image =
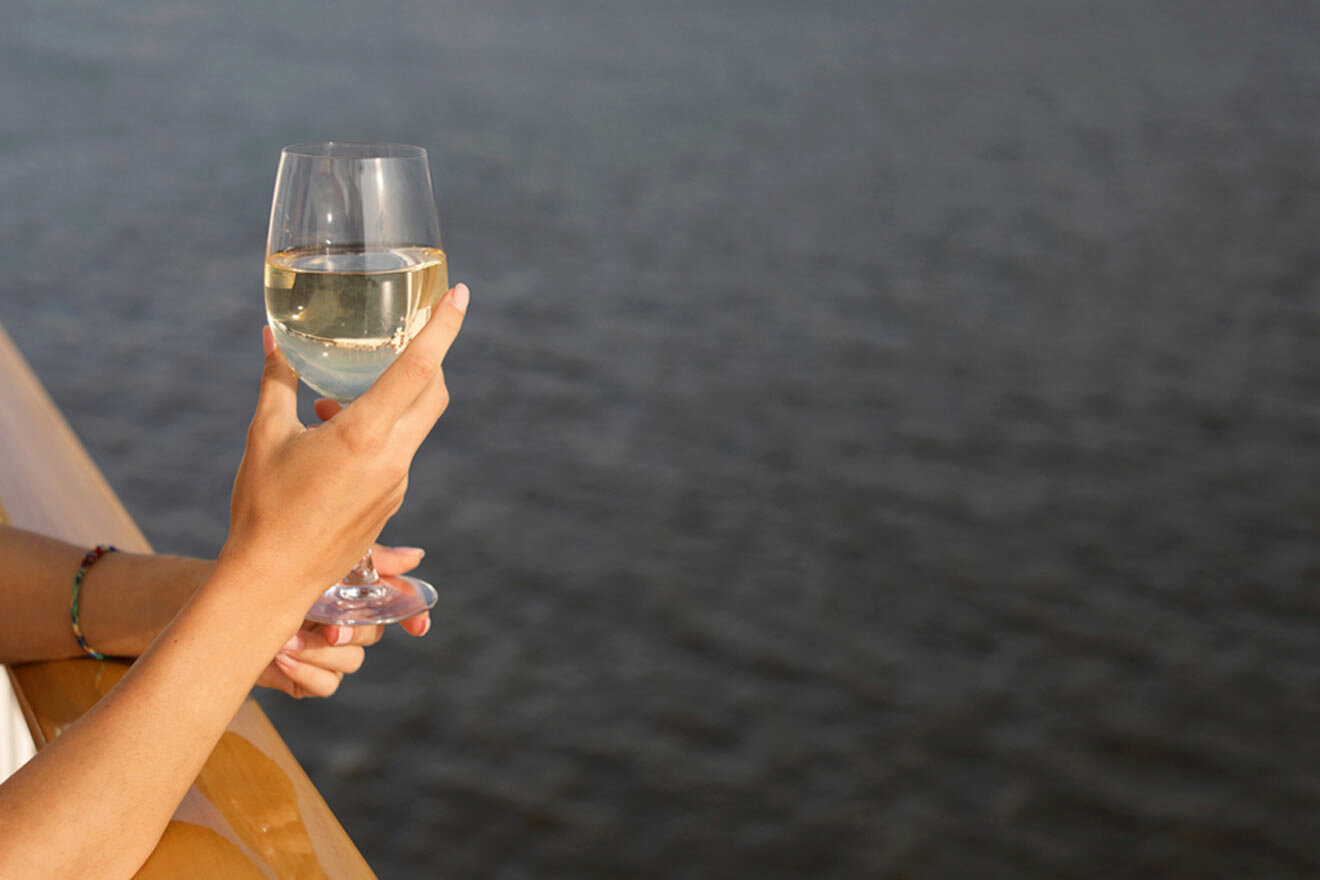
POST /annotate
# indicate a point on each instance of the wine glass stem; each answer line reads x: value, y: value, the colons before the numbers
x: 362, y: 582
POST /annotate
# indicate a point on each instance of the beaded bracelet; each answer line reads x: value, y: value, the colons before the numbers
x: 92, y: 555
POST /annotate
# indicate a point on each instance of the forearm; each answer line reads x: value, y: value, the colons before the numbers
x: 137, y: 751
x: 127, y: 598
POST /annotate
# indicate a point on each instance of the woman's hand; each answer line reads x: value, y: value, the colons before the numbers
x: 308, y: 502
x: 314, y: 662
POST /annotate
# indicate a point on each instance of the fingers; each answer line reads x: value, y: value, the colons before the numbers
x: 343, y: 636
x: 396, y: 560
x: 310, y: 666
x: 314, y: 662
x: 278, y: 402
x: 399, y: 386
x: 417, y: 626
x: 326, y: 408
x: 306, y: 679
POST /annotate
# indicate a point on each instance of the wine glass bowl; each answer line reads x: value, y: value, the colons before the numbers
x: 354, y: 266
x: 342, y: 316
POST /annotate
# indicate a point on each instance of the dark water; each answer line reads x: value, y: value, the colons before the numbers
x: 883, y: 440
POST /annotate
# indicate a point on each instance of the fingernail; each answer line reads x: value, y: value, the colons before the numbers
x: 341, y: 637
x: 461, y: 297
x: 411, y: 551
x: 285, y: 662
x: 295, y: 644
x: 267, y: 339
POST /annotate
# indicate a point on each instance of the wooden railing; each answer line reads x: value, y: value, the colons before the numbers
x: 252, y: 812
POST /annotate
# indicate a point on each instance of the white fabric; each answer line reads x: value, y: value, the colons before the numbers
x: 15, y: 741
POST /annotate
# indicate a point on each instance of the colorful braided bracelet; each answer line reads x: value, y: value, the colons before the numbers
x: 92, y: 555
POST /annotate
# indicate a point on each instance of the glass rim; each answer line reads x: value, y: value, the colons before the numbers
x: 354, y: 150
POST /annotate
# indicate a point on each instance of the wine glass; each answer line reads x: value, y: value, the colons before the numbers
x: 353, y: 268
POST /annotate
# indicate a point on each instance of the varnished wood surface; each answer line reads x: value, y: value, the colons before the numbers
x: 252, y: 811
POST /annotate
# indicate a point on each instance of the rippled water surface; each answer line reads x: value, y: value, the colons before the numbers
x: 883, y: 443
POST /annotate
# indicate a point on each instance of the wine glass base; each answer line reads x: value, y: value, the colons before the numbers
x: 407, y: 596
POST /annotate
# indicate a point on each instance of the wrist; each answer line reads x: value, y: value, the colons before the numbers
x: 128, y: 598
x: 260, y: 580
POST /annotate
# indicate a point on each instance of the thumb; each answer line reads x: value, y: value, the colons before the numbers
x: 396, y: 560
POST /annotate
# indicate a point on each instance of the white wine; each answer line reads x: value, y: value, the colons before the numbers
x: 342, y: 315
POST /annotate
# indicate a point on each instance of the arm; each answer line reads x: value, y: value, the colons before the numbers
x: 128, y: 598
x: 307, y: 502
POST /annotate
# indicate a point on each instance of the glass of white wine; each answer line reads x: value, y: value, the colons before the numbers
x: 354, y: 266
